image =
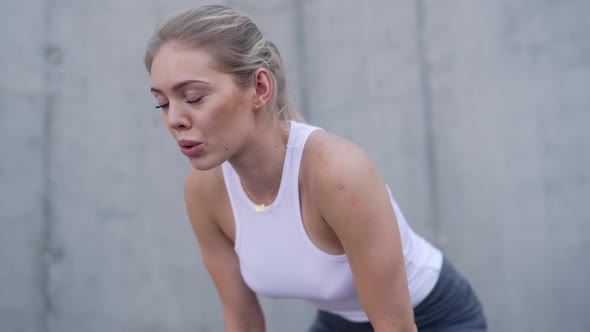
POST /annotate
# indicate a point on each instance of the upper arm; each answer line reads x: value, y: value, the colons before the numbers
x: 354, y: 202
x: 240, y: 305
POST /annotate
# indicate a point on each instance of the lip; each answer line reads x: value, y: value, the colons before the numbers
x: 190, y: 148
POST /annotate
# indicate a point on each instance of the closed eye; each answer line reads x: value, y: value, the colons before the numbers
x: 188, y: 101
x: 192, y: 101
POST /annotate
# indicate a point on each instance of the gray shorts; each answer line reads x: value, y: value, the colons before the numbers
x: 451, y: 306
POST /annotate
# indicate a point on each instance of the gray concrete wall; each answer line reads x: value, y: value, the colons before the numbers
x: 476, y: 112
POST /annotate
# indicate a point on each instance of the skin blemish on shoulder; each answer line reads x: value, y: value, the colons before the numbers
x: 226, y: 148
x: 341, y: 187
x: 354, y: 200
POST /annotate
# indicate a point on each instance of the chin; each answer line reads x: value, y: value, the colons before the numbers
x: 203, y: 165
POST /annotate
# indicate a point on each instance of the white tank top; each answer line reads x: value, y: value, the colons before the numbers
x: 278, y: 260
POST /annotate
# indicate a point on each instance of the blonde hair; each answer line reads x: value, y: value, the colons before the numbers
x: 236, y: 44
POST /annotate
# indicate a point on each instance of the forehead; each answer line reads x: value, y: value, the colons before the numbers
x: 174, y: 63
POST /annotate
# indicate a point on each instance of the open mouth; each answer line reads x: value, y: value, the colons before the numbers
x: 190, y: 148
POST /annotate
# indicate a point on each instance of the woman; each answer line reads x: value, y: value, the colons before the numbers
x: 281, y: 208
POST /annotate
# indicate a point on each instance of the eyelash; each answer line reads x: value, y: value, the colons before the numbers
x: 188, y: 101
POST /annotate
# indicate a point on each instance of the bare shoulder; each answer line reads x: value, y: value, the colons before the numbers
x: 203, y: 187
x: 352, y: 199
x: 203, y: 184
x: 204, y: 193
x: 342, y: 180
x: 328, y: 159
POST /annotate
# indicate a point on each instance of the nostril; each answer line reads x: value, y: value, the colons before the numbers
x: 181, y: 124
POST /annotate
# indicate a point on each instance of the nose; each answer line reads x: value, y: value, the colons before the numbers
x: 177, y: 117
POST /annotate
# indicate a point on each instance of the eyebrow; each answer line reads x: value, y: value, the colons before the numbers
x: 180, y: 85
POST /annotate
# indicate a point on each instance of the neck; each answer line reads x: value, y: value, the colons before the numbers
x: 260, y: 164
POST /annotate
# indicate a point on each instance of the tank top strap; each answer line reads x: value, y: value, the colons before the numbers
x: 298, y: 135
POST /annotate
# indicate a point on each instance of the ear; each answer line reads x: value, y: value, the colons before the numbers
x: 263, y: 86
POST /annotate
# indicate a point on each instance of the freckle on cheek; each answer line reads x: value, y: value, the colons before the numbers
x: 354, y: 200
x: 226, y: 148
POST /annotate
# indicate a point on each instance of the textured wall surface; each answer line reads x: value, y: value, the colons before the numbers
x: 476, y: 112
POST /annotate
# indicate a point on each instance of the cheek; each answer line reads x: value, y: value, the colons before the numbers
x: 165, y: 120
x: 217, y: 127
x: 227, y: 117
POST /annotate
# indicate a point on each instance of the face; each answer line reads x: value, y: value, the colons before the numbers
x: 208, y: 115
